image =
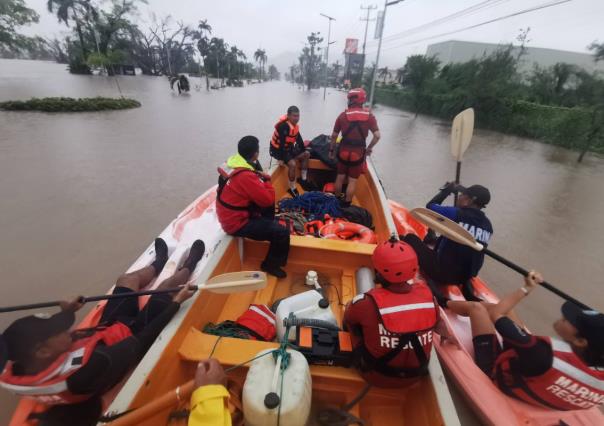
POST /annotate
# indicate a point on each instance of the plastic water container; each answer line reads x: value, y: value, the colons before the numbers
x: 364, y: 278
x: 263, y: 379
x: 309, y: 304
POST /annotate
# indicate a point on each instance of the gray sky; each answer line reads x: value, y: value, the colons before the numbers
x: 281, y: 27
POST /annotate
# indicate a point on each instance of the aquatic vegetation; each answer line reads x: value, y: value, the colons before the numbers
x: 70, y: 104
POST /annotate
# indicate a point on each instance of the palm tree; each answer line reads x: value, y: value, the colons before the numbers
x: 384, y: 73
x: 73, y: 9
x: 218, y: 49
x: 399, y: 75
x: 260, y: 57
x: 203, y: 45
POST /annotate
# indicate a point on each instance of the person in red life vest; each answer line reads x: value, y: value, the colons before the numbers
x: 355, y: 124
x: 559, y: 374
x: 287, y: 147
x: 245, y: 205
x: 71, y: 370
x: 391, y: 327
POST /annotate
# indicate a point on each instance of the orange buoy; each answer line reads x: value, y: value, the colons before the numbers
x: 348, y: 231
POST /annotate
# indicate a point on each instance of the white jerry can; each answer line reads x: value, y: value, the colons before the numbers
x: 309, y: 304
x: 262, y: 391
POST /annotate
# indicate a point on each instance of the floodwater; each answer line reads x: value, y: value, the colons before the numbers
x: 83, y: 194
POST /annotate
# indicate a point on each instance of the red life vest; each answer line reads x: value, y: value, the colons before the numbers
x: 569, y: 384
x: 225, y: 173
x: 50, y: 386
x: 409, y: 318
x: 353, y: 136
x: 260, y: 320
x: 292, y: 135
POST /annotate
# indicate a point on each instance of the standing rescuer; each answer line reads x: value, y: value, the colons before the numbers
x: 245, y: 205
x: 287, y: 147
x: 354, y: 123
x: 391, y: 327
x: 559, y: 374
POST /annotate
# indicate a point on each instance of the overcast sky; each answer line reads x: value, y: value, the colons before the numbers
x: 281, y: 27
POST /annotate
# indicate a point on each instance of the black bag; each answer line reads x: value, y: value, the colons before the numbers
x: 358, y: 215
x: 319, y: 149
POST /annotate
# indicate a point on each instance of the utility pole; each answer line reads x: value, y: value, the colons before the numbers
x: 327, y: 52
x: 367, y: 20
x: 377, y: 58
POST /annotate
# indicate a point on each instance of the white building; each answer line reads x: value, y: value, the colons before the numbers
x: 455, y: 51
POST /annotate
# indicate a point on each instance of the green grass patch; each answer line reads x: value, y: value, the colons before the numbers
x: 70, y: 104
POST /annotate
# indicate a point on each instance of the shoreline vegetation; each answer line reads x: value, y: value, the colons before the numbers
x: 560, y: 105
x: 61, y: 104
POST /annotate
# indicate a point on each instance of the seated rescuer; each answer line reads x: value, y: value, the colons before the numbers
x: 451, y: 262
x: 391, y: 327
x: 47, y: 362
x: 354, y: 123
x: 566, y: 374
x: 287, y: 147
x: 246, y: 205
x: 209, y: 401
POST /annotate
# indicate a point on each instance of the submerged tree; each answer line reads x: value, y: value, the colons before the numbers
x: 260, y: 58
x: 416, y: 73
x: 310, y: 59
x: 273, y: 73
x: 204, y: 30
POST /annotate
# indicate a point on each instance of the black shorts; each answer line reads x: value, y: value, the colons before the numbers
x: 486, y: 351
x: 288, y: 154
x: 126, y: 310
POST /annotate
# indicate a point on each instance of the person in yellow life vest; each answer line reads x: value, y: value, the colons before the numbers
x: 564, y: 373
x: 287, y: 147
x: 210, y: 399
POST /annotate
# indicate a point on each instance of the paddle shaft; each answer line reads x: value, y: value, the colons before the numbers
x: 457, y: 177
x: 524, y: 272
x: 91, y: 299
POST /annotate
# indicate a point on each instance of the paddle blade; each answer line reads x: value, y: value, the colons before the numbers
x: 235, y: 282
x: 446, y: 227
x: 461, y: 133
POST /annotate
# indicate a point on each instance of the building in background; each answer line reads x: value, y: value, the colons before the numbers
x: 353, y: 62
x: 455, y: 51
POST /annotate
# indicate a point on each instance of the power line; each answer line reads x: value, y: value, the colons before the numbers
x: 488, y: 4
x: 521, y: 12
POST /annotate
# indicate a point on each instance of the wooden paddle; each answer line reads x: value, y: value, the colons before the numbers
x: 461, y: 136
x: 232, y: 282
x: 457, y: 233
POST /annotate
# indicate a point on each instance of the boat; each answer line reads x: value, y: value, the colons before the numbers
x: 489, y: 404
x: 173, y: 357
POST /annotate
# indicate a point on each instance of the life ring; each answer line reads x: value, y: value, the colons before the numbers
x: 348, y: 231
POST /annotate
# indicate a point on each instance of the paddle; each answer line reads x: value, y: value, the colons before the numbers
x: 461, y: 136
x: 232, y: 282
x: 457, y: 233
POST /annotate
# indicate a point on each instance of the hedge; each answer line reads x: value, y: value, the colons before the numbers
x: 566, y: 127
x: 70, y: 104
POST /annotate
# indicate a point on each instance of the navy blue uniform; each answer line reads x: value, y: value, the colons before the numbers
x: 451, y: 262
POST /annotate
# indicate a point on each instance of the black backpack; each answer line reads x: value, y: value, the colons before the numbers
x: 358, y: 215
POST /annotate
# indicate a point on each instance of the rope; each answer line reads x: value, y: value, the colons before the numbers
x: 314, y: 203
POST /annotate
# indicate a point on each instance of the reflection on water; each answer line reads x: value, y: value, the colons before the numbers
x: 83, y: 194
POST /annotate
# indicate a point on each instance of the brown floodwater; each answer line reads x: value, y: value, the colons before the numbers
x: 83, y: 194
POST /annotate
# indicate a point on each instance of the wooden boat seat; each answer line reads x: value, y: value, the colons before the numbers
x: 231, y: 351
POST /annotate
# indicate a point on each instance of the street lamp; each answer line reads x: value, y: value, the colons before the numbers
x: 327, y: 52
x: 377, y: 58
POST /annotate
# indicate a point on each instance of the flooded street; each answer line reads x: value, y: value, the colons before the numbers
x: 83, y: 194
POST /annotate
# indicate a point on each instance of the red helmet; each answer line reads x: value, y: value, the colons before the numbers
x: 357, y: 96
x: 395, y: 261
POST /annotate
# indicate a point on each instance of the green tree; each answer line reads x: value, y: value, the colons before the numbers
x: 417, y: 72
x: 14, y: 14
x: 260, y: 58
x: 273, y: 73
x: 384, y: 73
x: 76, y: 11
x: 204, y: 30
x: 598, y: 50
x: 310, y: 59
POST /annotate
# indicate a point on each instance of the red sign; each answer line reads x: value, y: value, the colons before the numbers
x: 352, y: 45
